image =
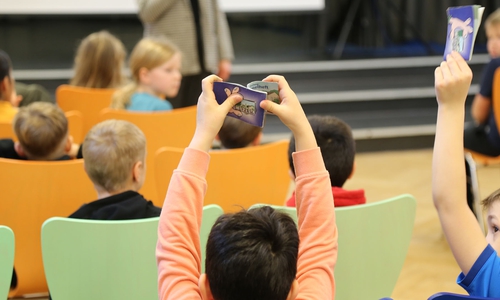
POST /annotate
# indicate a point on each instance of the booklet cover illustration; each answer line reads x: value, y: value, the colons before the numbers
x: 463, y: 25
x: 248, y: 110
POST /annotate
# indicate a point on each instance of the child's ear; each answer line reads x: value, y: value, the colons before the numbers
x: 217, y: 138
x: 144, y: 75
x: 294, y: 290
x: 19, y: 149
x: 68, y: 144
x: 5, y: 89
x: 137, y: 171
x: 353, y: 169
x: 206, y: 293
x: 257, y: 139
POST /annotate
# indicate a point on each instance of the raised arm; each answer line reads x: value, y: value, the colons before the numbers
x: 151, y: 10
x: 452, y: 82
x: 317, y: 228
x: 178, y: 249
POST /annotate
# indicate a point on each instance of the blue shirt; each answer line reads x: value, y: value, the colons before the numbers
x: 486, y: 90
x: 483, y: 279
x: 148, y: 102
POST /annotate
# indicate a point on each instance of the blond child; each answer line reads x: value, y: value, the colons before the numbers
x: 252, y: 254
x: 42, y: 132
x: 155, y: 65
x: 476, y: 256
x: 114, y: 152
x: 99, y: 62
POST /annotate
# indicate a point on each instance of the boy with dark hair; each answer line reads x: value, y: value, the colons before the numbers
x: 238, y: 134
x: 476, y: 256
x: 334, y: 138
x: 252, y: 254
x: 8, y: 95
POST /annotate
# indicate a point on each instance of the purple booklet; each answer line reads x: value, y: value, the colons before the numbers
x: 248, y: 110
x: 463, y: 25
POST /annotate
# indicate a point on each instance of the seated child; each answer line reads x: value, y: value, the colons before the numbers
x: 238, y: 134
x: 334, y: 138
x: 476, y: 256
x: 114, y: 152
x: 252, y: 254
x: 99, y: 62
x: 482, y: 135
x: 155, y: 65
x: 42, y: 132
x: 8, y: 97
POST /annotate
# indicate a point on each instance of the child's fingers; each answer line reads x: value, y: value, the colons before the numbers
x: 231, y: 101
x: 461, y: 63
x: 270, y: 106
x: 282, y: 83
x: 445, y: 69
x: 453, y: 66
x: 207, y: 84
x: 438, y: 75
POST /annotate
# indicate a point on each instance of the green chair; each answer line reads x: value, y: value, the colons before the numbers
x: 210, y: 214
x: 88, y: 259
x: 6, y: 260
x: 373, y: 243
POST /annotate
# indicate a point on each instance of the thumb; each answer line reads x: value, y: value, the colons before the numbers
x: 231, y: 101
x: 270, y: 106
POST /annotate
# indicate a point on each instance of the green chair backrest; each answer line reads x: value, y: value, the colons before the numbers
x: 373, y: 243
x: 89, y: 259
x: 210, y: 214
x: 6, y: 260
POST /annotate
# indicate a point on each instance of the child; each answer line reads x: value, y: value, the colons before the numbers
x: 99, y: 62
x: 338, y: 148
x: 155, y: 65
x: 238, y: 134
x: 42, y: 131
x: 475, y: 255
x: 252, y: 254
x: 483, y: 136
x: 8, y: 97
x: 114, y: 152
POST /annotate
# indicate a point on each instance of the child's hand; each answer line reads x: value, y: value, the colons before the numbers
x: 210, y: 114
x: 452, y: 80
x: 290, y: 113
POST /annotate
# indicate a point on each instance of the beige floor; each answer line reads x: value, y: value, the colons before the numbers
x: 429, y: 266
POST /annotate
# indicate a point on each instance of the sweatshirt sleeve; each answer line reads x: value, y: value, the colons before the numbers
x: 317, y: 227
x: 178, y: 249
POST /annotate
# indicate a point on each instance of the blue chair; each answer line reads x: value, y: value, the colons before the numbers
x: 451, y: 296
x: 6, y: 260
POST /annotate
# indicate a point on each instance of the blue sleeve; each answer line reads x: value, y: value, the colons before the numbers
x: 162, y: 105
x: 482, y: 279
x: 487, y: 77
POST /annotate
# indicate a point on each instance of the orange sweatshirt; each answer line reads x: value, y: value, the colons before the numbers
x: 178, y: 249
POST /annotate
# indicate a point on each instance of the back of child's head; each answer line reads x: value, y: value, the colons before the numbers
x: 252, y: 255
x: 42, y: 130
x: 110, y: 150
x: 334, y: 138
x: 493, y: 18
x: 5, y: 70
x: 99, y: 61
x: 237, y: 134
x: 149, y: 53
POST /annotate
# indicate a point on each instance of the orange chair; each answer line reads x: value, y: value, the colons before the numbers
x: 486, y: 160
x: 6, y: 130
x: 238, y: 177
x: 173, y: 128
x: 33, y: 192
x: 85, y: 100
